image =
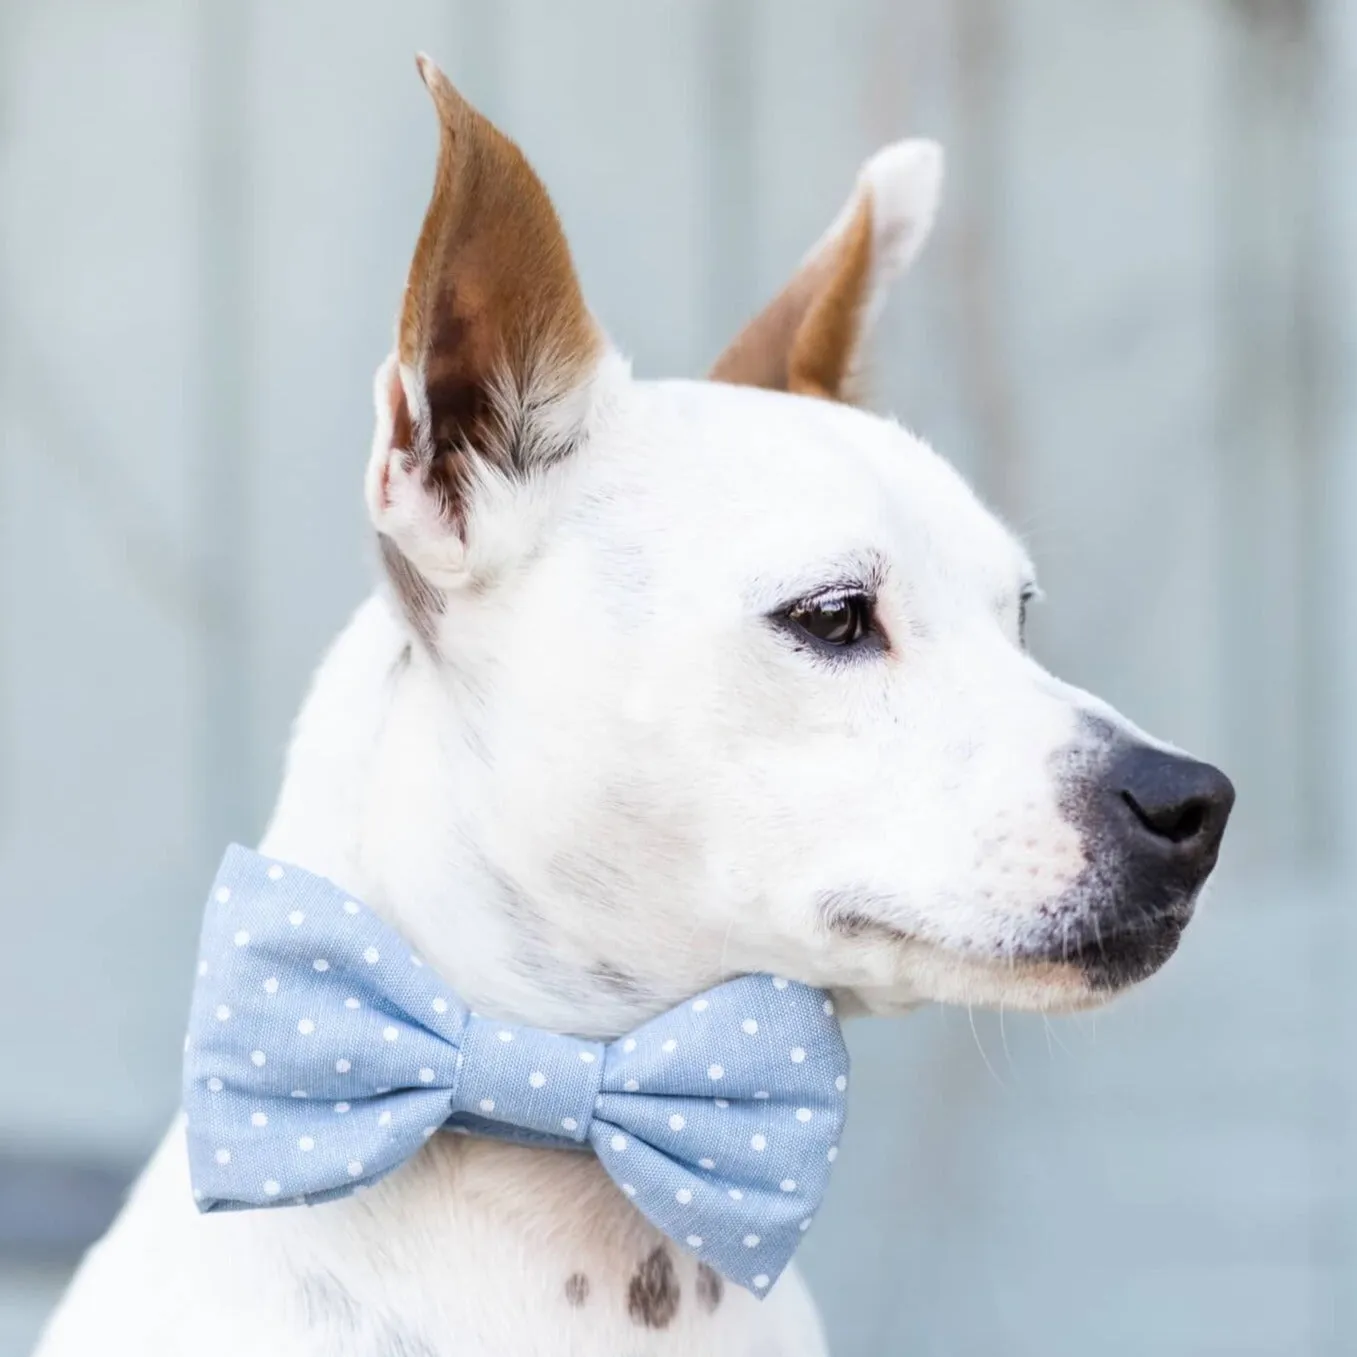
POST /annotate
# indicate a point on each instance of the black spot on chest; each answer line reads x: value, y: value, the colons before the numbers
x: 577, y: 1289
x: 710, y: 1288
x: 653, y: 1292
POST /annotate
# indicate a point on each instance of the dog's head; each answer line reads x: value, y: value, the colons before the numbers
x: 710, y: 677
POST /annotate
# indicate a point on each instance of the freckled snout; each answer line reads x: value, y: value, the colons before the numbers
x: 1156, y: 819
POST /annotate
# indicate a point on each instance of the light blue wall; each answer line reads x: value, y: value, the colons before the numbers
x: 1135, y: 328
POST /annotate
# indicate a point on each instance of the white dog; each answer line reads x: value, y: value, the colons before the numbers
x: 668, y: 682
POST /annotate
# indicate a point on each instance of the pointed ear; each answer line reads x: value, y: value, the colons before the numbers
x: 809, y: 339
x: 494, y: 347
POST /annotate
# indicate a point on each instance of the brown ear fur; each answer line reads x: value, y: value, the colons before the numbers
x: 808, y: 338
x: 492, y: 313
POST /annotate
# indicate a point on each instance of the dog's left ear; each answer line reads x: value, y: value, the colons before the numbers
x: 809, y: 338
x: 493, y: 374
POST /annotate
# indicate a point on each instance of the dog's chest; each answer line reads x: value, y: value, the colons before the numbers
x: 508, y: 1251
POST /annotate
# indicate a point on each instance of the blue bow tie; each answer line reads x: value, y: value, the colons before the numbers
x: 322, y: 1053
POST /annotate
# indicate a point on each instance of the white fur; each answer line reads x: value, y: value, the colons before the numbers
x: 609, y: 782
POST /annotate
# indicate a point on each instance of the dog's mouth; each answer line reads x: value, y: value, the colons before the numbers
x: 1112, y: 951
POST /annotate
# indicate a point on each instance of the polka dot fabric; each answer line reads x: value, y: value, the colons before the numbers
x: 322, y: 1053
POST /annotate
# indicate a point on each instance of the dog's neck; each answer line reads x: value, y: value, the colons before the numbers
x: 362, y: 773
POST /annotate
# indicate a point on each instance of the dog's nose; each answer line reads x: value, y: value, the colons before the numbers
x: 1176, y: 808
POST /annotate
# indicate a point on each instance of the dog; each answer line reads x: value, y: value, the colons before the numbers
x: 664, y: 683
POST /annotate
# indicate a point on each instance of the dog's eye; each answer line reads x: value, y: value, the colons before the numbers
x: 839, y: 620
x: 1024, y: 599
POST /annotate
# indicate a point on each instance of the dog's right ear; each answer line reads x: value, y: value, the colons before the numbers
x: 495, y: 351
x: 810, y: 338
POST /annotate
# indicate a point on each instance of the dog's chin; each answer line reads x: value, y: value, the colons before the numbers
x: 1083, y: 969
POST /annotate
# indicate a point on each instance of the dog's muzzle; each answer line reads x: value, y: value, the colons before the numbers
x: 1153, y: 823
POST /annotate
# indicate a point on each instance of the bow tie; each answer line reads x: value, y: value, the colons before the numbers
x: 322, y: 1053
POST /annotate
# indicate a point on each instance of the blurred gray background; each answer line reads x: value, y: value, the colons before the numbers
x: 1136, y: 329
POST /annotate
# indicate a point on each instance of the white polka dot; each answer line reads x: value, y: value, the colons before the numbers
x: 716, y: 1071
x: 779, y: 982
x: 352, y: 1002
x: 202, y: 968
x: 694, y: 1241
x: 721, y: 1103
x: 628, y: 1189
x: 758, y: 1141
x: 223, y: 894
x: 320, y: 964
x: 487, y: 1104
x: 537, y: 1079
x: 296, y: 918
x: 299, y: 1093
x: 223, y: 1012
x: 788, y: 1184
x: 275, y: 873
x: 415, y: 960
x: 271, y: 985
x: 214, y: 1085
x: 570, y: 1124
x: 587, y: 1057
x: 355, y: 1167
x: 803, y: 1114
x: 629, y: 1045
x: 761, y: 1282
x: 241, y: 939
x: 389, y: 1034
x: 631, y: 1086
x: 829, y: 1008
x: 669, y: 1046
x: 426, y: 1075
x: 707, y: 1163
x: 676, y: 1122
x: 798, y: 1054
x: 382, y: 1088
x: 428, y: 1131
x: 439, y: 1005
x: 505, y: 1036
x: 700, y: 1005
x: 751, y: 1241
x: 350, y: 906
x: 188, y: 1041
x: 258, y: 1119
x: 761, y: 1094
x: 341, y: 1108
x: 372, y: 956
x: 735, y: 1194
x: 306, y: 1026
x: 683, y: 1196
x: 271, y: 1187
x: 619, y: 1143
x: 306, y: 1144
x: 384, y: 1119
x: 833, y: 1153
x: 258, y: 1059
x: 223, y: 1156
x: 749, y: 1026
x: 197, y: 1194
x: 841, y: 1083
x: 343, y: 1066
x: 805, y: 1225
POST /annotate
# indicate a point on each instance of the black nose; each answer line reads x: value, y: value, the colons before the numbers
x: 1176, y: 808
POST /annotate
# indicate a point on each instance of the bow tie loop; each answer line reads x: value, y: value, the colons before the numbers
x: 529, y: 1079
x: 322, y: 1053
